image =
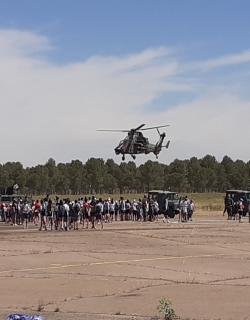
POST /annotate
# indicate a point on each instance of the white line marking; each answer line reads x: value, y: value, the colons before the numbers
x: 53, y: 267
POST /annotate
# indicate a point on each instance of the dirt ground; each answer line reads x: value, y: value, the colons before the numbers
x: 121, y: 272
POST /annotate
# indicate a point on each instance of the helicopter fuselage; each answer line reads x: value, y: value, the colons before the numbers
x: 135, y: 143
x: 138, y: 144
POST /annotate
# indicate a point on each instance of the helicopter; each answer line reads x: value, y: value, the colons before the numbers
x: 135, y: 143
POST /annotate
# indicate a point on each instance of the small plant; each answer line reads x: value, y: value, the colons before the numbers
x: 40, y: 306
x: 166, y: 309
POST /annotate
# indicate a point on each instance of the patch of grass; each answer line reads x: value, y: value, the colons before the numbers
x: 209, y: 201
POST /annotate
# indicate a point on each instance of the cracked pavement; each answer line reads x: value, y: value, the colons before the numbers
x: 203, y: 267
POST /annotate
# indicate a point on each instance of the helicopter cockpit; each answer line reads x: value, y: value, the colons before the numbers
x: 141, y: 139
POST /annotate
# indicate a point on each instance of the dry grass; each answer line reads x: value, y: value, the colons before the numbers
x: 213, y: 201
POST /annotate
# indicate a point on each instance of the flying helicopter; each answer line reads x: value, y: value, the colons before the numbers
x: 135, y: 143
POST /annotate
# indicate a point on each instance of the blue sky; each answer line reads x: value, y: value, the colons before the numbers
x: 80, y: 29
x: 109, y: 64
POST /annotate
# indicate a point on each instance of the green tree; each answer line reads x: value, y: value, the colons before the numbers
x: 96, y: 171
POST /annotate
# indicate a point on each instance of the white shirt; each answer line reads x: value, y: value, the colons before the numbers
x: 66, y: 206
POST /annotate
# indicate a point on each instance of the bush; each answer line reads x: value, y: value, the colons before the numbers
x: 166, y: 309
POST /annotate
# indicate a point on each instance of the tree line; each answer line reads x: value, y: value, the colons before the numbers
x: 99, y: 176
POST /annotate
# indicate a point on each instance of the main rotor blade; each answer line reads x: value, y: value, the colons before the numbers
x: 157, y: 127
x: 114, y: 130
x: 138, y: 128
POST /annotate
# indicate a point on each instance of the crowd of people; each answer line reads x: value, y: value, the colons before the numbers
x: 87, y: 212
x: 185, y: 209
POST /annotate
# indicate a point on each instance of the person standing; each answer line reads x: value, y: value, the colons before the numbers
x: 37, y: 210
x: 66, y: 215
x: 249, y: 212
x: 116, y: 209
x: 56, y: 213
x: 76, y: 214
x: 229, y: 203
x: 185, y: 204
x: 151, y: 209
x: 122, y: 208
x: 127, y: 210
x: 99, y: 212
x: 156, y: 209
x: 144, y: 208
x: 43, y: 216
x: 92, y: 206
x: 135, y: 208
x: 61, y: 213
x: 190, y: 210
x: 179, y: 209
x: 106, y: 209
x: 50, y: 214
x: 86, y: 212
x: 26, y: 212
x: 112, y: 210
x: 240, y: 209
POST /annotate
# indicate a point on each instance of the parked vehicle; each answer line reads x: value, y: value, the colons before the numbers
x: 236, y: 195
x: 162, y: 197
x: 9, y: 198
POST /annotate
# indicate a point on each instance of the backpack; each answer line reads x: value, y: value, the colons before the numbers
x: 24, y: 317
x: 106, y: 207
x: 61, y: 210
x: 98, y: 208
x: 127, y: 205
x: 76, y: 207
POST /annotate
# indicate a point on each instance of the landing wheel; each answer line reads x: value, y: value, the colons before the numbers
x: 123, y: 157
x: 133, y: 156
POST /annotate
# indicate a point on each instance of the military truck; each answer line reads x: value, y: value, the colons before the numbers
x: 9, y: 198
x: 236, y: 195
x: 162, y: 197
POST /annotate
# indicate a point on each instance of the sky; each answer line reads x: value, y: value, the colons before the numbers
x: 68, y: 68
